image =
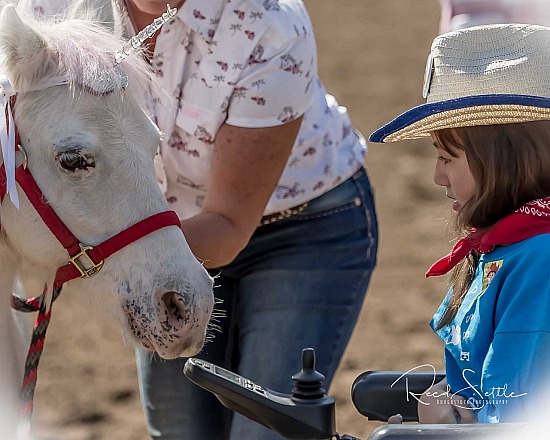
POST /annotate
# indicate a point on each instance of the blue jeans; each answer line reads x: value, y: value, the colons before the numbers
x: 299, y: 283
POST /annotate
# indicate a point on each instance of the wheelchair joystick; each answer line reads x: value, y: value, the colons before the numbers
x: 308, y: 382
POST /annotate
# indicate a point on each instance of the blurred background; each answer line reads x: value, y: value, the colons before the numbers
x: 372, y: 55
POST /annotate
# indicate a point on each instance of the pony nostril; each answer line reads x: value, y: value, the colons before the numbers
x: 175, y: 308
x: 178, y: 325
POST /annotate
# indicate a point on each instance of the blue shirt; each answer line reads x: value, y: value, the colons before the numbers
x: 497, y: 348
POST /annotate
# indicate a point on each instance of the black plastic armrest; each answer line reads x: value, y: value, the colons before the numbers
x: 381, y: 394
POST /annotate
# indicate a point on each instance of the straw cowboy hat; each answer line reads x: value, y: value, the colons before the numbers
x: 483, y: 75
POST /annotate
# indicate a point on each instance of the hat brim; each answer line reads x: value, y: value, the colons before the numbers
x: 468, y: 111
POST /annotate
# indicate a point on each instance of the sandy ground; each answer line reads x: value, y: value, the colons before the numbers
x: 373, y: 61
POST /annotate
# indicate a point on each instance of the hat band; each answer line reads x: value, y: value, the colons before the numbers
x: 470, y: 116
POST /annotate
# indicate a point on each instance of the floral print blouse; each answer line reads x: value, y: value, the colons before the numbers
x: 248, y: 63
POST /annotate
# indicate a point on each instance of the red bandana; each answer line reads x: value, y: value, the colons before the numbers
x: 531, y: 219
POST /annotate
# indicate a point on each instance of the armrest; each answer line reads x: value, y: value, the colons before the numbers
x: 381, y: 394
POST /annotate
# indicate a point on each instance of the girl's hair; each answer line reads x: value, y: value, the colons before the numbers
x: 510, y: 164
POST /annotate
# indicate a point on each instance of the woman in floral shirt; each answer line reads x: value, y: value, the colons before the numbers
x: 266, y: 173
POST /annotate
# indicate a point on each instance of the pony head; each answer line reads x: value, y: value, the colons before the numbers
x: 90, y: 147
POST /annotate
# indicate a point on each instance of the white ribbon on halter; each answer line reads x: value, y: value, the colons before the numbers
x: 7, y: 127
x: 7, y: 137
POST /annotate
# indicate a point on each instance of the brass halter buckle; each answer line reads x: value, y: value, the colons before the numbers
x: 87, y: 267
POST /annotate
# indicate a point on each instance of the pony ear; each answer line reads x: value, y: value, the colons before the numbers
x: 26, y: 53
x: 104, y: 12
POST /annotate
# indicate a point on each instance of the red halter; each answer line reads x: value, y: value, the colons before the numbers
x: 84, y: 261
x: 80, y: 253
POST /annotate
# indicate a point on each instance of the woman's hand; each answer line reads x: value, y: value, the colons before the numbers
x: 438, y: 404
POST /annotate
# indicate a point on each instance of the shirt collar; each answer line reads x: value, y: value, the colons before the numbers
x: 202, y: 16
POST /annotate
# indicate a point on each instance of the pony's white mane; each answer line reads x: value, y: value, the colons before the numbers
x: 85, y: 50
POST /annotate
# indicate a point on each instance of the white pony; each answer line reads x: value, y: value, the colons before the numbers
x: 90, y: 148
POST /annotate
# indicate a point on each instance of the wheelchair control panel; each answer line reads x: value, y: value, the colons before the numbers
x: 305, y: 414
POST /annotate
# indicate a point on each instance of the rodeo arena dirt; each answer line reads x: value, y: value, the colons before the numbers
x: 372, y: 55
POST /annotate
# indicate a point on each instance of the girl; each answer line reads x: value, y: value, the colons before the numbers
x: 488, y: 115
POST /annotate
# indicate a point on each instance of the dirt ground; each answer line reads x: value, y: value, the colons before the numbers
x: 372, y: 56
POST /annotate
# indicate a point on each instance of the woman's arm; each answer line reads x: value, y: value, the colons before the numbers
x: 246, y: 166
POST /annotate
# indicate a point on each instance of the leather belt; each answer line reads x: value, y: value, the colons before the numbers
x: 275, y: 217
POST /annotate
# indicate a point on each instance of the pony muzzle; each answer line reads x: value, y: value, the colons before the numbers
x: 174, y: 326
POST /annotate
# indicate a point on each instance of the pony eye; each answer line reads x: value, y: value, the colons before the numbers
x: 75, y: 160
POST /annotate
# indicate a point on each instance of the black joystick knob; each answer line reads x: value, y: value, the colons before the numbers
x: 308, y: 382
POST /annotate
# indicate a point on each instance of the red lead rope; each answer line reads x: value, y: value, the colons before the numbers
x: 84, y: 261
x: 37, y: 304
